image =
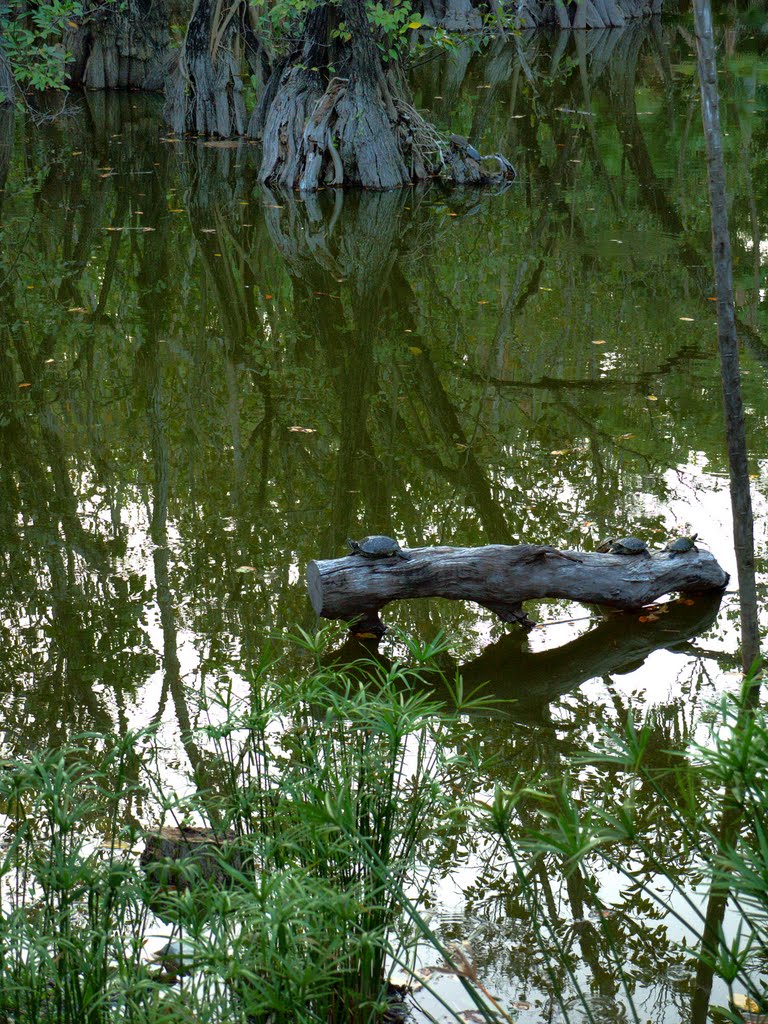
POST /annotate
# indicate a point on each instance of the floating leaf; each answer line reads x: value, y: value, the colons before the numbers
x: 689, y: 319
x: 560, y: 451
x: 26, y: 384
x: 520, y: 1005
x: 745, y: 1003
x: 414, y: 350
x: 302, y: 430
x: 246, y: 568
x: 114, y: 229
x: 77, y: 309
x: 652, y: 398
x: 598, y: 341
x: 366, y: 636
x: 222, y: 144
x: 208, y: 231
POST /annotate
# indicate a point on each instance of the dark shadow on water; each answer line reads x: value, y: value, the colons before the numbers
x: 522, y: 684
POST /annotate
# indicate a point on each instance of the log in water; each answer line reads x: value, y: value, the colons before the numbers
x: 501, y: 577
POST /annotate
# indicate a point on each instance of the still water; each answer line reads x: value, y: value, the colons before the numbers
x: 204, y: 385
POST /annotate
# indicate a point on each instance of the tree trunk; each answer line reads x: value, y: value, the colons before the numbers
x: 121, y: 48
x: 741, y: 501
x: 352, y: 125
x: 205, y: 92
x: 501, y: 578
x: 7, y: 84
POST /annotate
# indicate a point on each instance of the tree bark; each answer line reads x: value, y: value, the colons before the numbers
x: 336, y: 113
x: 204, y: 93
x: 741, y: 502
x: 121, y: 48
x: 502, y: 577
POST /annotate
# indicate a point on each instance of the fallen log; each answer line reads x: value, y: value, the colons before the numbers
x: 501, y: 577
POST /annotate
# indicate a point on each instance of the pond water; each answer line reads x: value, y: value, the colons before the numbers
x: 204, y: 385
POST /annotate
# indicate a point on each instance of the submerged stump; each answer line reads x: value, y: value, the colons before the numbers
x: 501, y: 577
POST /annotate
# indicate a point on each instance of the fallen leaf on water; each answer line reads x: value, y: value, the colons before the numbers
x: 652, y: 398
x: 453, y: 214
x: 520, y: 1005
x: 246, y: 568
x: 366, y: 636
x: 415, y: 351
x: 560, y: 451
x: 302, y: 430
x: 690, y: 319
x: 618, y: 241
x: 483, y: 302
x: 268, y: 295
x: 49, y: 361
x: 223, y: 144
x: 147, y: 229
x: 745, y: 1003
x: 598, y: 341
x: 625, y: 437
x: 77, y: 152
x: 273, y: 206
x: 178, y: 209
x: 26, y: 384
x: 710, y: 298
x: 77, y: 309
x: 113, y: 229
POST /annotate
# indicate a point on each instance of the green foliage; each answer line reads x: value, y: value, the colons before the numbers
x: 321, y: 790
x: 33, y: 42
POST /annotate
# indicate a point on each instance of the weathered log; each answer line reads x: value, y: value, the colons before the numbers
x: 501, y: 577
x: 175, y: 858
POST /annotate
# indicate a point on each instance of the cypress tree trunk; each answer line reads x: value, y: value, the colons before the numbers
x: 205, y: 92
x: 121, y: 47
x: 741, y: 502
x: 335, y: 113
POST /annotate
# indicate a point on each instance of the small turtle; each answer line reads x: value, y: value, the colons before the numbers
x: 682, y: 545
x: 628, y: 546
x: 377, y: 546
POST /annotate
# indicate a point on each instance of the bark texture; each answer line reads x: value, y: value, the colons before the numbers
x: 7, y: 84
x: 583, y: 14
x: 335, y: 113
x: 121, y: 47
x: 502, y: 577
x: 728, y: 343
x: 205, y: 92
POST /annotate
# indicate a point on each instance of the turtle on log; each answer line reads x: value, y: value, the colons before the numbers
x: 377, y: 546
x: 682, y: 545
x: 624, y: 546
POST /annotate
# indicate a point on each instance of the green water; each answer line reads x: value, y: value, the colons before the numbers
x: 205, y: 385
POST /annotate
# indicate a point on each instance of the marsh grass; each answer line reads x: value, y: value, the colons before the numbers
x: 688, y: 833
x: 324, y: 789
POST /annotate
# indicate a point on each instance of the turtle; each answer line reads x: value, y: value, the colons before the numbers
x: 628, y: 546
x: 682, y: 545
x: 377, y: 546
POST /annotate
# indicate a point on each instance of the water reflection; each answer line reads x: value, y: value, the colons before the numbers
x: 205, y: 385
